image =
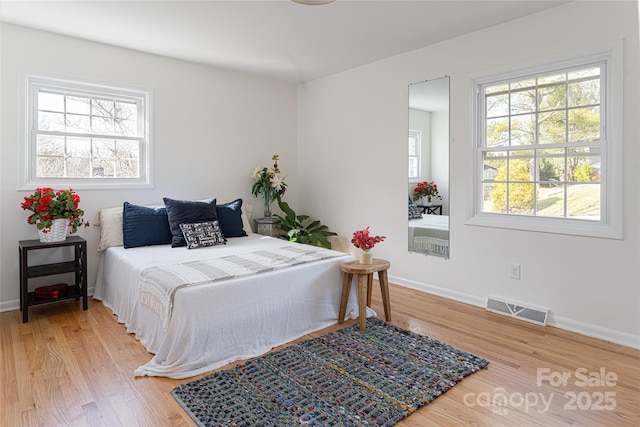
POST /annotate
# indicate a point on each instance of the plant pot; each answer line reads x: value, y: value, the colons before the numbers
x: 366, y: 257
x: 57, y: 233
x: 426, y: 200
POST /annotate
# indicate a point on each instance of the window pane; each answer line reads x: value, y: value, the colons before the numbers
x: 127, y: 168
x: 583, y: 201
x: 497, y: 132
x: 494, y: 199
x: 104, y: 148
x: 497, y: 88
x: 413, y: 167
x: 126, y: 110
x: 586, y: 72
x: 127, y: 149
x: 78, y: 124
x: 103, y: 108
x: 553, y: 78
x: 498, y: 105
x: 126, y: 127
x: 584, y: 168
x: 584, y: 124
x: 50, y: 102
x: 521, y: 199
x: 552, y: 97
x: 77, y: 167
x: 552, y: 127
x: 78, y: 105
x: 102, y: 125
x: 530, y: 83
x: 103, y: 168
x: 523, y: 101
x: 523, y: 129
x: 550, y: 171
x: 584, y: 93
x: 491, y: 167
x: 51, y: 121
x: 550, y: 201
x: 50, y: 146
x: 79, y: 147
x: 47, y: 167
x: 520, y: 170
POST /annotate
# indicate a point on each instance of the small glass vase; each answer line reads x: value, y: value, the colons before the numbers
x: 267, y: 207
x: 366, y: 257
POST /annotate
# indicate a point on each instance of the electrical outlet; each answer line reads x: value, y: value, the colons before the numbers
x: 514, y: 270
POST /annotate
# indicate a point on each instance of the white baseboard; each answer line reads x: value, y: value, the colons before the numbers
x: 15, y: 304
x: 617, y: 337
x: 560, y: 322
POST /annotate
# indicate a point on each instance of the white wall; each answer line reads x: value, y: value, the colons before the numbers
x: 440, y: 155
x: 212, y: 128
x: 350, y: 125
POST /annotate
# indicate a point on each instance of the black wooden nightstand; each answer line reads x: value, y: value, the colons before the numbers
x: 435, y: 209
x: 78, y: 266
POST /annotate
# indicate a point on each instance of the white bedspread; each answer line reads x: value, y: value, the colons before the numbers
x: 430, y: 234
x: 220, y: 322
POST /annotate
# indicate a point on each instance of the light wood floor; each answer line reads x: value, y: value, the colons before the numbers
x: 69, y: 367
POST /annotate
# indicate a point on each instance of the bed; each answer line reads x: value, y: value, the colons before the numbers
x: 429, y: 234
x: 213, y: 323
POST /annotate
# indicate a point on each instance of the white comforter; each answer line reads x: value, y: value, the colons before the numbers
x: 217, y: 323
x: 429, y: 234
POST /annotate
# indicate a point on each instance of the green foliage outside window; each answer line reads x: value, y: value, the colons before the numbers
x: 520, y: 194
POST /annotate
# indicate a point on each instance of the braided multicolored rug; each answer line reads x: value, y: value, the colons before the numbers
x: 345, y: 378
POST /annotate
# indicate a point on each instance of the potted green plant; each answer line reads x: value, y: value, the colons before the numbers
x: 301, y: 229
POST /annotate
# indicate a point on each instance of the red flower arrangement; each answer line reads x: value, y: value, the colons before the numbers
x: 362, y: 240
x: 48, y: 204
x: 426, y: 189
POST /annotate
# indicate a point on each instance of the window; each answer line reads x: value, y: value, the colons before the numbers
x: 86, y: 135
x: 414, y: 154
x: 544, y: 147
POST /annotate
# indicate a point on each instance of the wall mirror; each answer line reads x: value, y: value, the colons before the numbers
x: 428, y: 154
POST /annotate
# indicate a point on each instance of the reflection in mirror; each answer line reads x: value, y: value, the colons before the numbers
x: 429, y: 167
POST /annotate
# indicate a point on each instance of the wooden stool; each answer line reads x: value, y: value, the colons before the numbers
x: 365, y: 271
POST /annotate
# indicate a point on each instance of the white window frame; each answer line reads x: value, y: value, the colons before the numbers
x: 28, y: 99
x: 610, y: 223
x: 418, y: 136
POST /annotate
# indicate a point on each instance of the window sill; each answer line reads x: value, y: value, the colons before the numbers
x: 574, y: 227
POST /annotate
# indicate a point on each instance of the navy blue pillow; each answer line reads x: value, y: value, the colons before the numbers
x: 188, y: 212
x: 144, y: 226
x: 230, y: 219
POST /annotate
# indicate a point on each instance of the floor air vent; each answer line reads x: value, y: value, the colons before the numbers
x: 517, y: 310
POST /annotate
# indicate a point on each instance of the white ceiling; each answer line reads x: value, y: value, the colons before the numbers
x: 275, y: 38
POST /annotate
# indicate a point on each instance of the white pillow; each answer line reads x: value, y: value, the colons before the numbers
x: 247, y: 210
x: 110, y: 222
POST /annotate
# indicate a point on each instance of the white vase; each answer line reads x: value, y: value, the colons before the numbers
x: 366, y: 257
x: 57, y: 233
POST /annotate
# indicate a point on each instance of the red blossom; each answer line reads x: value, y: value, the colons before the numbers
x: 426, y: 189
x: 362, y: 239
x: 48, y: 204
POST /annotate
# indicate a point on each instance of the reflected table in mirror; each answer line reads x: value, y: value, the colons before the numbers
x: 434, y: 209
